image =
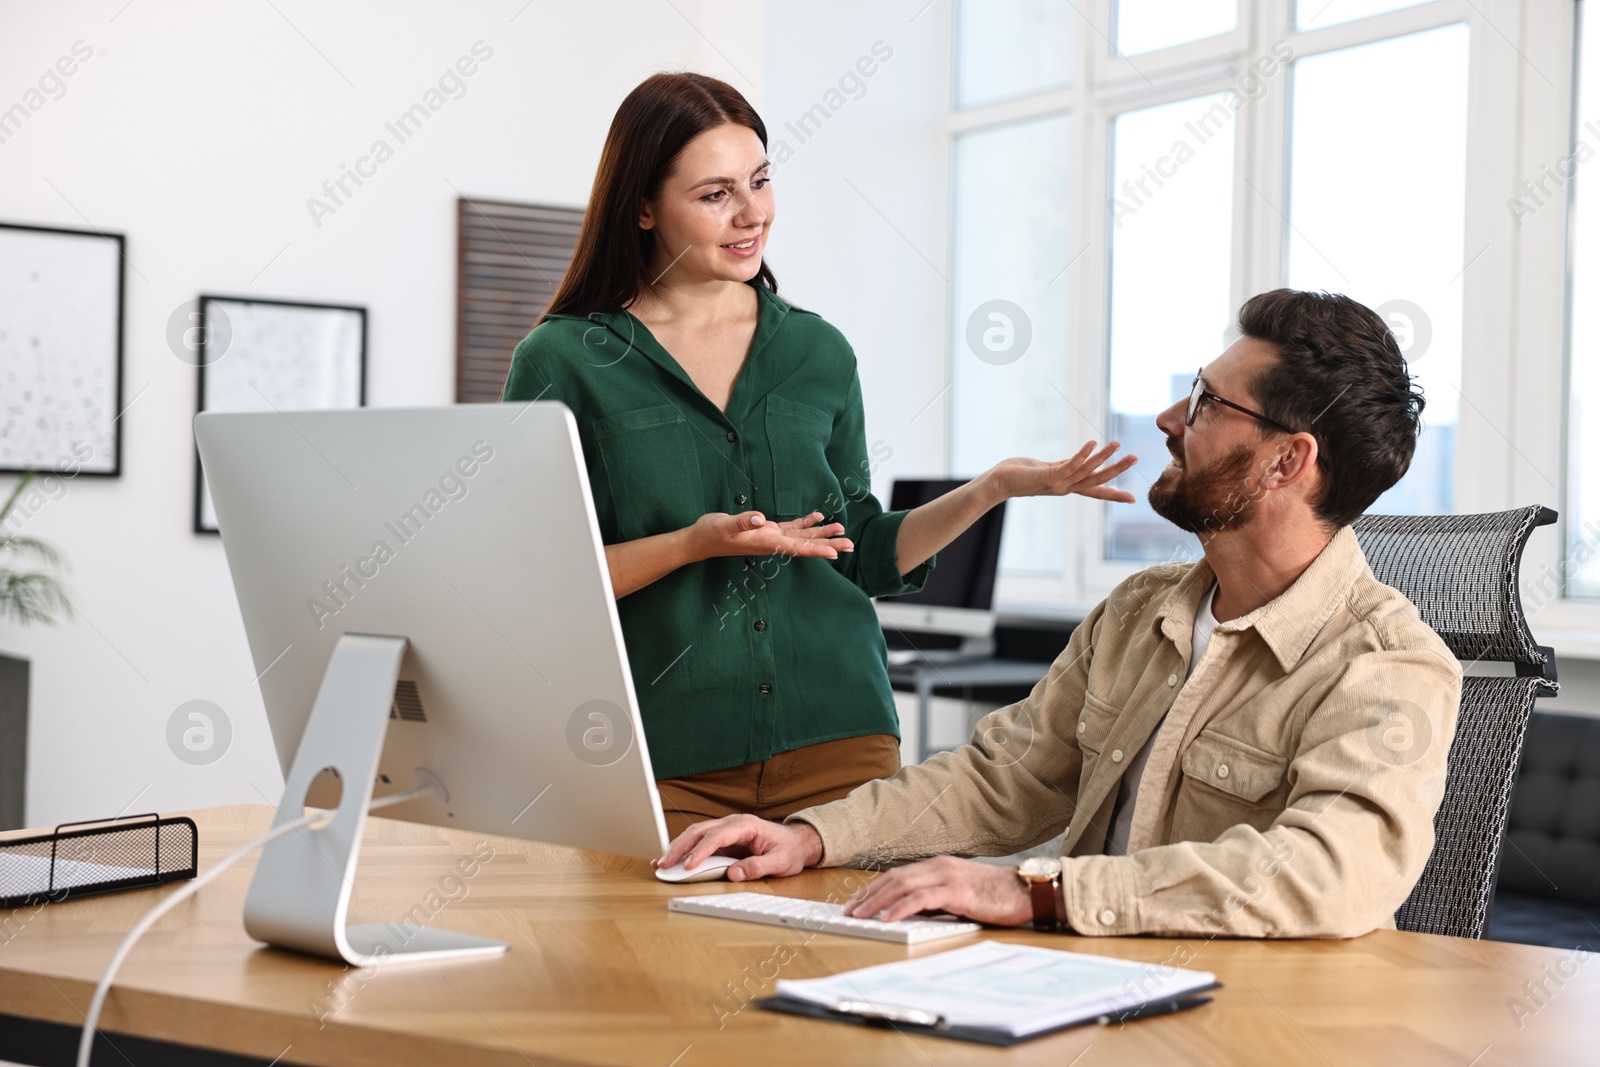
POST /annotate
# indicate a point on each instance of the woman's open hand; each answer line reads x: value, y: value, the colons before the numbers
x: 1084, y: 474
x: 750, y: 533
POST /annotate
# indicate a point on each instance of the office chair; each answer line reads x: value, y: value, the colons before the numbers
x: 1461, y: 573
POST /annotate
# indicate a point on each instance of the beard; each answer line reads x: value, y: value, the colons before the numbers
x: 1209, y: 500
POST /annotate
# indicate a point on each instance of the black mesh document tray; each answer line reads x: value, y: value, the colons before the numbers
x: 99, y: 856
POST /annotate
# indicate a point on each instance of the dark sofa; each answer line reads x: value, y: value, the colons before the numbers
x: 1548, y: 892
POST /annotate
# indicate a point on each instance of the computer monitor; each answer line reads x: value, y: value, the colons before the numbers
x: 956, y: 602
x: 426, y: 588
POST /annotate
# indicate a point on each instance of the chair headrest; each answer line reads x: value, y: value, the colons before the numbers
x: 1461, y: 573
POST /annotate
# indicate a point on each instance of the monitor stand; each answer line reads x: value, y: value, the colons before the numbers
x: 301, y: 889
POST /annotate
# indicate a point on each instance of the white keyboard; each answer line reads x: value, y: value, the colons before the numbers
x: 816, y: 916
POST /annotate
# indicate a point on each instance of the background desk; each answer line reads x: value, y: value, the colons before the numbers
x: 1002, y: 681
x: 1023, y: 652
x: 600, y: 973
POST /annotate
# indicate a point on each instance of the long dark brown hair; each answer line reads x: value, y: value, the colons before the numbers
x: 610, y: 266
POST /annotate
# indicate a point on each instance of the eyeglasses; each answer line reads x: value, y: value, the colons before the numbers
x: 1199, y: 392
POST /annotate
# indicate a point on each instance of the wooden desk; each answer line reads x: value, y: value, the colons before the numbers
x: 600, y: 973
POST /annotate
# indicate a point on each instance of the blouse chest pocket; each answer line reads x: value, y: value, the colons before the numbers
x: 802, y: 480
x: 652, y: 468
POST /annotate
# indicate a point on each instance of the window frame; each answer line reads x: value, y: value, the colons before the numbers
x: 1143, y: 68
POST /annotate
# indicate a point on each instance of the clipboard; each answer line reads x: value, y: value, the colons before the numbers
x: 906, y: 1020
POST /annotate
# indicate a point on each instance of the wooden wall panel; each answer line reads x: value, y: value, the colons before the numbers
x: 510, y: 258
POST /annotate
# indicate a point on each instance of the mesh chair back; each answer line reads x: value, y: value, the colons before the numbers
x: 1461, y: 573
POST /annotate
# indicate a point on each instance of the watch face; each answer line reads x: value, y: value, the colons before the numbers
x: 1039, y: 867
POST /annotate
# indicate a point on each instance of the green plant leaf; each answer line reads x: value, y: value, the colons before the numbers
x: 16, y: 492
x: 30, y: 598
x: 32, y: 546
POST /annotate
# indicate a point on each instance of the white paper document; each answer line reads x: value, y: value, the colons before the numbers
x: 1014, y: 989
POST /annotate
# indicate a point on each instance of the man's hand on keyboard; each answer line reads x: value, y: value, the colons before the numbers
x: 772, y: 850
x: 982, y: 892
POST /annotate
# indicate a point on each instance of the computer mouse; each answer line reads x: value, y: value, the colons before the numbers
x: 711, y: 869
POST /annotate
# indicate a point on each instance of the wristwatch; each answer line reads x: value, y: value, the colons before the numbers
x: 1042, y: 877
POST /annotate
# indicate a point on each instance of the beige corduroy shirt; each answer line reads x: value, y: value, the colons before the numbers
x: 1290, y: 791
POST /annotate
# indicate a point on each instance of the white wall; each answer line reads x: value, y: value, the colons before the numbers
x: 199, y: 130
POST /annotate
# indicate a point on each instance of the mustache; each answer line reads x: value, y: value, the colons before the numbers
x: 1173, y: 447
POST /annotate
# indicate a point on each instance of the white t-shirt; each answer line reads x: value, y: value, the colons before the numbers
x: 1122, y: 818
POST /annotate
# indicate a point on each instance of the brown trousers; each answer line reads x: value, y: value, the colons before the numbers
x: 782, y: 785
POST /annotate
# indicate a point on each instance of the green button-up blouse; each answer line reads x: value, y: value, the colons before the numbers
x: 735, y: 658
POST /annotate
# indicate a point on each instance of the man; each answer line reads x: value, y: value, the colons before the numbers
x: 1252, y: 745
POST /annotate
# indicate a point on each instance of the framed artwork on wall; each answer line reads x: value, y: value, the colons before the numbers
x: 275, y: 355
x: 61, y: 296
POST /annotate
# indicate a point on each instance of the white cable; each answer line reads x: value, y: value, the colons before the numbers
x: 86, y: 1041
x: 429, y: 784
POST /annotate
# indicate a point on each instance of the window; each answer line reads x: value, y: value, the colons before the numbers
x: 1009, y: 316
x: 1011, y: 47
x: 1200, y: 152
x: 1171, y: 247
x: 1583, y: 344
x: 1315, y: 14
x: 1377, y: 193
x: 1151, y: 25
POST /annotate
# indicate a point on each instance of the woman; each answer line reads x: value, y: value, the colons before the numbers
x: 722, y: 429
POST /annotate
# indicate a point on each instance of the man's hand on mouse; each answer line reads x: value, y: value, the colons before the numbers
x: 775, y: 850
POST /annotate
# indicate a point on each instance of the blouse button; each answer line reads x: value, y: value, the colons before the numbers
x: 764, y: 687
x: 1116, y: 756
x: 749, y: 561
x: 1172, y: 679
x: 1107, y: 916
x: 732, y: 436
x: 1222, y: 770
x: 740, y: 498
x: 760, y: 624
x: 1082, y: 726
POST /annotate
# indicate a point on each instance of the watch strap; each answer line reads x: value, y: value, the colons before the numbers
x: 1044, y: 893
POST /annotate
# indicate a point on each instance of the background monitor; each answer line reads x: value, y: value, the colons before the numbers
x: 953, y: 610
x: 470, y: 531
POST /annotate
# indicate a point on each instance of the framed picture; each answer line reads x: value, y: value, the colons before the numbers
x: 61, y: 295
x: 274, y: 355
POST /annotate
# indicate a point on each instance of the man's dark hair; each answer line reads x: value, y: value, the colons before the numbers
x: 1340, y: 377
